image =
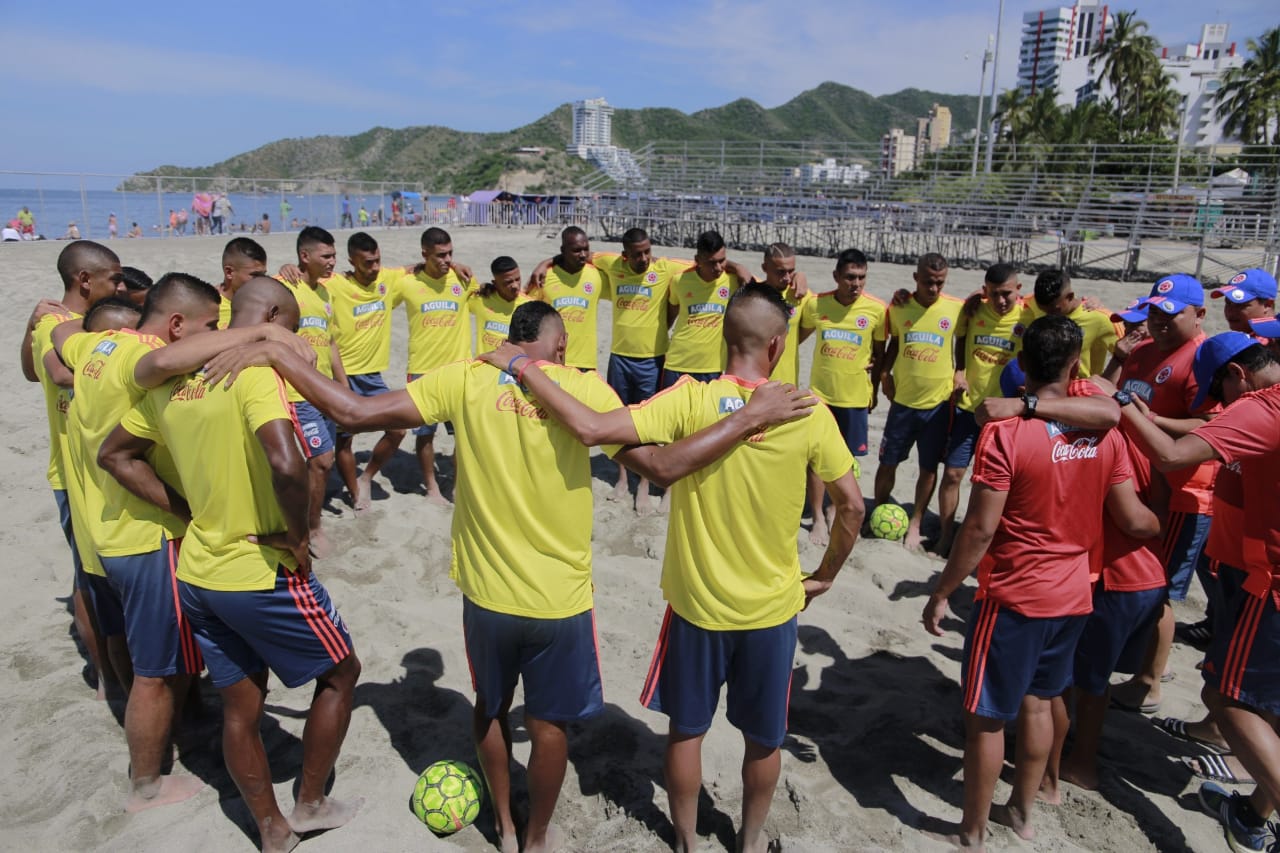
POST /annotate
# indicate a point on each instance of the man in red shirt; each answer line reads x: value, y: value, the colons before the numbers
x: 1242, y: 666
x: 1249, y: 295
x: 1029, y: 612
x: 1158, y: 375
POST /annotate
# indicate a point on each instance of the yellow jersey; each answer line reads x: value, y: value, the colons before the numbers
x: 697, y: 341
x: 362, y: 320
x: 57, y: 400
x: 439, y: 326
x: 991, y: 342
x: 314, y: 314
x: 639, y: 304
x: 117, y: 523
x: 924, y: 373
x: 493, y: 318
x: 522, y: 514
x: 224, y: 311
x: 788, y: 367
x: 211, y: 432
x: 728, y: 567
x: 576, y: 297
x: 1099, y: 335
x: 846, y: 336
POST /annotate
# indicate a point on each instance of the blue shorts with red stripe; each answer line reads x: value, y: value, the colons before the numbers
x: 1184, y: 539
x: 1230, y: 587
x: 927, y: 429
x: 316, y: 432
x: 556, y: 659
x: 1244, y: 663
x: 671, y: 377
x: 853, y: 426
x: 691, y: 664
x: 1008, y: 656
x: 292, y: 628
x: 634, y: 380
x: 962, y: 438
x: 159, y: 635
x: 104, y: 600
x: 1115, y: 636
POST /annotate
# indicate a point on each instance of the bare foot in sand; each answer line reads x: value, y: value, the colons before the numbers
x: 549, y: 843
x: 959, y: 842
x: 644, y: 504
x: 665, y: 504
x: 1079, y: 773
x: 1050, y: 793
x: 162, y: 791
x: 1007, y: 815
x: 326, y: 814
x: 319, y: 544
x: 912, y: 541
x: 620, y: 491
x: 364, y: 493
x: 436, y: 499
x: 819, y: 534
x: 277, y: 839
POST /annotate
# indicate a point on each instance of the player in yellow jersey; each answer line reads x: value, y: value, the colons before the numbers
x: 242, y: 259
x: 435, y: 303
x: 362, y: 305
x: 918, y: 375
x: 493, y: 304
x: 90, y: 273
x: 732, y: 581
x: 527, y: 589
x: 317, y: 256
x: 991, y: 339
x: 573, y: 286
x: 1055, y: 295
x: 696, y: 302
x: 780, y: 273
x: 850, y: 325
x: 244, y: 575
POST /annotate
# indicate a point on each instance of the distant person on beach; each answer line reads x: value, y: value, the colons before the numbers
x: 364, y: 216
x: 345, y: 220
x: 264, y: 225
x: 285, y: 209
x: 182, y: 221
x: 73, y: 232
x: 222, y: 212
x: 135, y: 230
x: 113, y: 226
x: 26, y: 223
x: 173, y: 222
x: 10, y: 232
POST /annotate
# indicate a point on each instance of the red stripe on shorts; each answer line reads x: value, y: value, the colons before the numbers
x: 191, y: 660
x: 978, y: 653
x: 1171, y: 534
x: 655, y: 666
x: 314, y: 617
x: 1241, y: 643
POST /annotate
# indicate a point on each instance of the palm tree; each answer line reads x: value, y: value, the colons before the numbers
x: 1249, y: 100
x: 1125, y: 61
x: 1159, y: 106
x: 1011, y: 112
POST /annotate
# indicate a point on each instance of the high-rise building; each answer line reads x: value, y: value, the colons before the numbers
x: 592, y: 124
x: 933, y: 132
x: 897, y: 152
x: 1053, y: 36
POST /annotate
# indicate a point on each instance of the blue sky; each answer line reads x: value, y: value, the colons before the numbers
x: 120, y: 87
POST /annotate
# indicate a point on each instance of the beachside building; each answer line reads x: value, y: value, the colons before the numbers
x: 933, y: 132
x: 897, y: 152
x: 592, y: 124
x: 828, y: 172
x: 1051, y: 37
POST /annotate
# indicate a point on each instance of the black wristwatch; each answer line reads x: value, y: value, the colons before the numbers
x: 1029, y: 403
x: 1122, y: 397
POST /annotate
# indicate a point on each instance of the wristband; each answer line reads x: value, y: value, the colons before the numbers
x: 520, y: 375
x: 511, y: 369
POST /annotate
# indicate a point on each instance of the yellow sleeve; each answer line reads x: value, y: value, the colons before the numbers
x: 75, y: 349
x: 591, y: 390
x: 829, y: 455
x: 663, y: 418
x: 438, y: 393
x: 881, y: 330
x: 141, y: 420
x: 262, y: 398
x: 809, y: 314
x: 42, y: 334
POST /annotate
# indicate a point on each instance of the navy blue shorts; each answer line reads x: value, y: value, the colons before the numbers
x: 1115, y: 636
x: 108, y: 609
x: 690, y: 665
x: 555, y: 658
x: 366, y: 385
x: 64, y: 521
x: 925, y: 428
x: 1008, y: 656
x: 1244, y: 662
x: 671, y: 377
x: 853, y: 426
x: 316, y: 432
x: 1230, y: 587
x: 426, y: 430
x: 634, y: 380
x: 962, y: 439
x: 1184, y: 539
x: 159, y: 635
x: 293, y: 628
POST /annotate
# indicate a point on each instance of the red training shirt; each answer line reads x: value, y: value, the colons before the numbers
x: 1128, y: 564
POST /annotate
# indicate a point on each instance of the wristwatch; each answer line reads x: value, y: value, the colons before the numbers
x: 1122, y: 397
x: 1029, y: 403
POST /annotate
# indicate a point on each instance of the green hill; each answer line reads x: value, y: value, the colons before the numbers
x: 448, y: 160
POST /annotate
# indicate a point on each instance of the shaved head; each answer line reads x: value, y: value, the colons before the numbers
x: 112, y: 313
x: 178, y: 293
x: 84, y: 256
x: 756, y: 314
x: 264, y: 300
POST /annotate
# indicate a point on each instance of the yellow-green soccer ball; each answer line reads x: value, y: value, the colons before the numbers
x: 448, y: 796
x: 889, y: 521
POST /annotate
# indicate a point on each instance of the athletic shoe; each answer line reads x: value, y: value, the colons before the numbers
x: 1225, y: 807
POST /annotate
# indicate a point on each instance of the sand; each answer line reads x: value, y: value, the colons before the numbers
x: 872, y: 761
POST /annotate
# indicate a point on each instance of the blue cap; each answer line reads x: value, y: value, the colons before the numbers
x: 1247, y: 286
x: 1134, y: 312
x: 1174, y: 292
x: 1211, y: 355
x: 1267, y: 327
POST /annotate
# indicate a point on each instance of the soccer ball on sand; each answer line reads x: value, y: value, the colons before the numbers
x: 447, y: 796
x: 889, y: 521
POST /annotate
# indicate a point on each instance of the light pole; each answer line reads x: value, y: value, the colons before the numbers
x: 977, y: 125
x: 995, y: 71
x: 1182, y: 128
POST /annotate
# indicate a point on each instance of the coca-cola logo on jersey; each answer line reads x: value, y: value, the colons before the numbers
x: 1081, y: 448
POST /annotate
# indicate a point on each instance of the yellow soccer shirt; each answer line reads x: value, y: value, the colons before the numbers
x: 493, y: 318
x: 731, y: 565
x: 211, y: 432
x: 1099, y: 335
x: 314, y: 314
x: 439, y: 327
x: 697, y: 341
x: 361, y: 322
x: 639, y: 304
x: 117, y: 523
x: 788, y: 367
x: 924, y: 373
x: 522, y: 512
x: 576, y: 297
x: 991, y: 341
x: 846, y: 336
x: 224, y: 311
x: 57, y: 400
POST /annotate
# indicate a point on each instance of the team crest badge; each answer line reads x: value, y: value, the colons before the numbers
x: 588, y: 287
x: 723, y: 293
x: 1238, y: 277
x: 382, y: 289
x: 1018, y: 329
x: 651, y: 277
x: 315, y: 441
x: 861, y: 322
x: 457, y: 290
x: 1164, y: 374
x: 1164, y: 286
x: 328, y: 309
x: 944, y: 323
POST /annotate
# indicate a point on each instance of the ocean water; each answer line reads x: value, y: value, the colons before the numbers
x: 55, y: 208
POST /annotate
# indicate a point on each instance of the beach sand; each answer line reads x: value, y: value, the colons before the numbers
x: 872, y: 761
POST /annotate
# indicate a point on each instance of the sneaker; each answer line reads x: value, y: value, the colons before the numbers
x: 1224, y: 806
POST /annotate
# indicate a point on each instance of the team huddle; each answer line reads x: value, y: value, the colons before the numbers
x: 193, y: 429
